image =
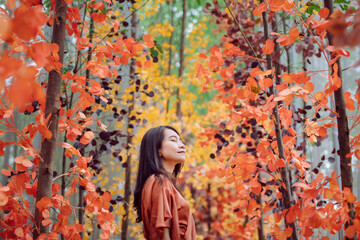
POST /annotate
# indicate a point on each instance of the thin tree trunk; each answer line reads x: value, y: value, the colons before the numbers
x: 261, y: 235
x: 52, y: 107
x: 284, y: 171
x: 87, y: 75
x: 209, y: 208
x: 170, y: 48
x: 181, y: 68
x: 343, y: 132
x: 127, y: 193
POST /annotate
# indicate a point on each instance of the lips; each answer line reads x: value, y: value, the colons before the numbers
x: 182, y: 152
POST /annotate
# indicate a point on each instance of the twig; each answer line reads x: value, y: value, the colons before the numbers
x: 242, y: 33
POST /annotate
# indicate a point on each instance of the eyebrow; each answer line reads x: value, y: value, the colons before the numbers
x: 176, y: 136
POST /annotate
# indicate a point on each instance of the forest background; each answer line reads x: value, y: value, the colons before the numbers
x: 268, y: 113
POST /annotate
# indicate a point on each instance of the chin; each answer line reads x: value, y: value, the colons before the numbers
x: 181, y: 160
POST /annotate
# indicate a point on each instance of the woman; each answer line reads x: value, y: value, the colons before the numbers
x: 163, y: 210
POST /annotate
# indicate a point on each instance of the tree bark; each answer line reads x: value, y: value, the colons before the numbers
x: 52, y: 107
x: 170, y: 48
x: 208, y: 199
x: 181, y: 68
x: 343, y: 132
x: 284, y: 171
x: 127, y: 193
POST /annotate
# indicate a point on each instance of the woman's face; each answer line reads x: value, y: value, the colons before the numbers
x: 172, y: 148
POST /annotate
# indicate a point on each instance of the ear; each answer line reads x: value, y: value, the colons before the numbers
x: 160, y: 155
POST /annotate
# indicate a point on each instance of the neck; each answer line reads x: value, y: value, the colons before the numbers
x: 168, y: 167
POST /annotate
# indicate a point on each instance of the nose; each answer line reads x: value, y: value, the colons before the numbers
x: 182, y: 145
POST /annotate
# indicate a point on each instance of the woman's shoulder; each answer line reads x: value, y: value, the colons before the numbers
x: 158, y: 181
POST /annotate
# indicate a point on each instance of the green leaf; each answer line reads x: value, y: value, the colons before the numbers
x: 339, y: 1
x: 153, y: 52
x: 158, y: 46
x: 311, y: 8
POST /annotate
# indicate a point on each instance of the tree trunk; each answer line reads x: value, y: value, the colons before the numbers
x: 261, y: 235
x: 10, y: 136
x: 208, y: 199
x: 127, y: 193
x: 284, y: 171
x: 343, y: 132
x: 181, y: 68
x: 170, y: 48
x: 52, y: 107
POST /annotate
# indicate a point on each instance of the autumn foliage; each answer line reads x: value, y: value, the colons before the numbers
x: 247, y: 116
x: 27, y: 57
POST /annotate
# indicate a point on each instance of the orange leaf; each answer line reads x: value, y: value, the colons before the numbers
x: 6, y: 25
x: 98, y: 5
x: 357, y: 154
x: 98, y: 17
x: 3, y: 198
x: 260, y: 9
x: 43, y: 204
x: 96, y: 88
x: 11, y: 4
x: 288, y: 231
x: 324, y: 12
x: 287, y: 78
x: 19, y: 232
x: 309, y: 86
x: 46, y: 222
x: 147, y: 64
x: 294, y: 33
x: 55, y: 187
x: 6, y: 172
x: 350, y: 231
x: 81, y: 162
x: 349, y: 196
x: 45, y: 213
x: 255, y: 187
x: 268, y: 47
x: 322, y: 132
x: 280, y: 162
x: 268, y: 82
x: 147, y: 37
x: 350, y: 103
x: 202, y: 55
x: 24, y: 28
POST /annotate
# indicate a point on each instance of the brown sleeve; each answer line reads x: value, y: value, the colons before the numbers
x: 162, y: 202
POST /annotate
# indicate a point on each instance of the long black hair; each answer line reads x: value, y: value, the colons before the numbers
x: 150, y: 163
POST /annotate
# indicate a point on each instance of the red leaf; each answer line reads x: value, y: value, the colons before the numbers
x: 24, y: 28
x: 98, y: 5
x: 6, y: 172
x: 44, y: 203
x: 55, y: 187
x: 350, y: 231
x: 46, y: 222
x: 3, y: 198
x: 324, y: 12
x: 202, y: 55
x: 98, y: 17
x: 260, y: 9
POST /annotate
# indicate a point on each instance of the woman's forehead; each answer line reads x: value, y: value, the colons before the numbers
x: 169, y: 133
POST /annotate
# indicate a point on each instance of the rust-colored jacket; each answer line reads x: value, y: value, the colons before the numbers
x: 162, y: 206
